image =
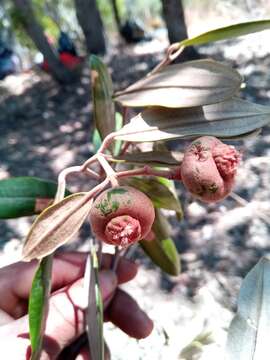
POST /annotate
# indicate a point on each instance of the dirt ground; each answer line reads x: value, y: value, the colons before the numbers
x: 45, y: 128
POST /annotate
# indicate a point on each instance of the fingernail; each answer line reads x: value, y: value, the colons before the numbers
x: 108, y: 283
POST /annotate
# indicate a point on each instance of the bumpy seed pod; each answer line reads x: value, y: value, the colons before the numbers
x: 121, y: 216
x: 208, y: 169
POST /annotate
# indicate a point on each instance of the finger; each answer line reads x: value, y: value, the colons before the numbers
x: 125, y: 313
x: 65, y: 321
x: 16, y: 280
x: 84, y: 353
x: 66, y: 318
x: 126, y: 269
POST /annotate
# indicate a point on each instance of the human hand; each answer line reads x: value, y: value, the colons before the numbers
x: 66, y: 317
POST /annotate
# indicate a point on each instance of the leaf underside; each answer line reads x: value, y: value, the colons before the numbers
x: 153, y: 158
x: 55, y: 226
x: 248, y: 335
x: 227, y: 119
x: 190, y: 84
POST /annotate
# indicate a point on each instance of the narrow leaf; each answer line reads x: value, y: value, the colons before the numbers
x: 228, y: 32
x: 249, y: 329
x: 162, y: 196
x: 154, y: 158
x: 37, y: 308
x: 193, y: 83
x: 102, y: 90
x: 118, y: 126
x: 227, y: 119
x: 95, y: 310
x: 96, y: 140
x: 55, y: 226
x: 25, y: 196
x: 161, y: 249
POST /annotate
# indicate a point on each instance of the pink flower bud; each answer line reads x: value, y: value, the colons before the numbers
x: 122, y: 216
x: 208, y: 169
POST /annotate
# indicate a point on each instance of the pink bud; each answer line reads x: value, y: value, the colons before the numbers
x: 208, y: 169
x: 121, y: 216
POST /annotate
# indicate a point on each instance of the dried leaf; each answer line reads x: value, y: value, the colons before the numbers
x: 227, y: 119
x: 249, y: 329
x: 55, y: 226
x: 154, y: 158
x: 193, y: 83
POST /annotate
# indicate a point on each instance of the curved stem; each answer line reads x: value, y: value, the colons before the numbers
x: 60, y: 194
x: 111, y: 174
x: 88, y: 162
x: 107, y: 142
x: 173, y: 51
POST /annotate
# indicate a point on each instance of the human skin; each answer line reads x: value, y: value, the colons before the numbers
x: 121, y: 216
x: 208, y: 169
x: 68, y: 302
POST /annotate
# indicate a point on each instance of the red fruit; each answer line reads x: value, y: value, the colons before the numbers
x: 122, y: 216
x: 208, y: 169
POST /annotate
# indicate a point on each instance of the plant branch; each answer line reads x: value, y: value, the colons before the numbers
x: 172, y: 53
x: 111, y: 174
x: 170, y: 174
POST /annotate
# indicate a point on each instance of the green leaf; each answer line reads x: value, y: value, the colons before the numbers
x: 227, y: 119
x: 161, y: 249
x: 118, y: 126
x: 162, y: 193
x: 227, y: 32
x: 56, y: 225
x: 195, y: 348
x: 248, y: 333
x: 95, y: 310
x: 189, y: 84
x: 151, y: 158
x: 96, y: 140
x: 37, y: 308
x: 25, y: 196
x: 102, y: 90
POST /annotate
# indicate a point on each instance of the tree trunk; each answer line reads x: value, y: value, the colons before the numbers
x: 90, y: 21
x: 35, y: 31
x: 173, y: 14
x: 116, y: 15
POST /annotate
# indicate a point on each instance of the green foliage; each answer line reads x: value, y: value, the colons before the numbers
x: 139, y: 9
x: 95, y: 318
x: 25, y: 196
x: 102, y: 90
x: 227, y: 32
x: 162, y: 194
x: 162, y: 250
x: 38, y: 302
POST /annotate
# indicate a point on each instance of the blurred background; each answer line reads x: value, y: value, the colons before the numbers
x: 46, y: 125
